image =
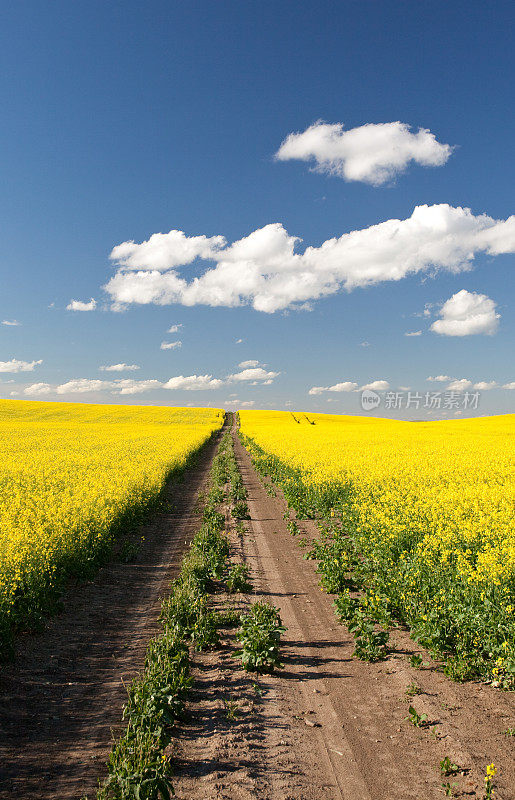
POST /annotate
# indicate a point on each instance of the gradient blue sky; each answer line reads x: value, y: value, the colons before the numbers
x: 122, y: 119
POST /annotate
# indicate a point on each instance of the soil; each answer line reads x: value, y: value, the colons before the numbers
x: 324, y: 726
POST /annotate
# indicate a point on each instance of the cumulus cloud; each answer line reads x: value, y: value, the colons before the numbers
x: 82, y: 385
x: 165, y: 250
x: 255, y: 374
x: 345, y: 386
x: 192, y: 383
x: 174, y: 328
x: 80, y: 305
x: 263, y: 269
x: 372, y: 153
x: 128, y: 386
x: 509, y: 385
x: 376, y: 386
x: 460, y: 385
x: 485, y: 386
x: 466, y: 314
x: 11, y: 322
x: 119, y: 368
x: 413, y: 333
x: 170, y: 345
x: 37, y: 389
x: 14, y: 365
x: 439, y: 378
x: 246, y: 364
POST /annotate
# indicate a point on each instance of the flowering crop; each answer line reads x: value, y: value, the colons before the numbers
x: 71, y: 476
x: 422, y: 514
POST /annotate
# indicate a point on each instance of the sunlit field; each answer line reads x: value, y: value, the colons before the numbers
x: 71, y: 477
x: 427, y: 521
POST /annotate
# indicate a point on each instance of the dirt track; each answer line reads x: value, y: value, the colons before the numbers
x: 326, y: 726
x: 64, y: 693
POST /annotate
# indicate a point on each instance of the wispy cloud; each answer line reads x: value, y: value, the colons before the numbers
x: 11, y: 322
x: 170, y: 345
x: 413, y: 333
x: 80, y: 305
x: 175, y: 328
x: 344, y: 386
x: 119, y: 368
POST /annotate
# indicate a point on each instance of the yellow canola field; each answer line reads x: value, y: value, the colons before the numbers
x: 432, y: 504
x: 69, y: 475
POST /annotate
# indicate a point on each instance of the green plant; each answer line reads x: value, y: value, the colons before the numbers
x: 259, y: 635
x: 449, y: 788
x: 448, y: 767
x: 509, y: 732
x: 232, y: 708
x: 370, y: 642
x: 240, y: 510
x: 128, y: 552
x: 413, y: 690
x: 237, y: 580
x: 416, y: 661
x: 416, y: 719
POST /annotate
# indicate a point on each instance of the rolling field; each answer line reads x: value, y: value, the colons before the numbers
x: 71, y: 476
x: 420, y: 516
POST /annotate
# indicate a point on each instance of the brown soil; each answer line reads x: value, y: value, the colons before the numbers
x: 325, y: 726
x: 328, y: 725
x: 65, y: 690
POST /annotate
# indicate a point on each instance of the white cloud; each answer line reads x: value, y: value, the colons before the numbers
x: 439, y: 378
x: 413, y: 333
x: 119, y: 386
x: 245, y: 364
x: 467, y: 313
x: 344, y: 386
x: 170, y: 345
x: 509, y: 385
x: 460, y: 385
x: 193, y: 383
x: 364, y: 344
x: 247, y: 403
x: 82, y: 385
x: 239, y: 341
x: 119, y: 368
x: 263, y: 269
x: 128, y: 386
x: 485, y: 386
x: 254, y: 374
x: 11, y: 322
x: 372, y: 153
x: 165, y: 250
x: 80, y: 305
x: 38, y: 389
x: 174, y: 328
x: 376, y: 386
x: 19, y: 366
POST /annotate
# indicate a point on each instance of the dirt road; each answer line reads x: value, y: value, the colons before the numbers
x: 328, y: 725
x: 64, y: 693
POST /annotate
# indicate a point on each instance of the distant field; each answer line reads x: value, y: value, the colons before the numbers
x: 427, y: 522
x: 70, y: 476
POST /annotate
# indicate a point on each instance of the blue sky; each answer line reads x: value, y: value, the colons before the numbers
x: 121, y: 121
